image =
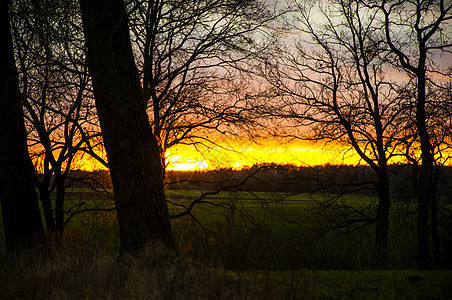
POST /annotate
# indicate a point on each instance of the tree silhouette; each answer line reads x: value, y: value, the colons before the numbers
x: 186, y: 52
x: 417, y: 32
x: 132, y: 149
x: 334, y: 88
x: 21, y: 215
x: 55, y: 83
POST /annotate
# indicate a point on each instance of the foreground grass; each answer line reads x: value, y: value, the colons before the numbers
x: 268, y: 231
x: 388, y: 284
x: 261, y: 240
x: 74, y: 272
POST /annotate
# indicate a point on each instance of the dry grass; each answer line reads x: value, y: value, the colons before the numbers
x: 257, y: 257
x: 156, y: 273
x: 80, y: 268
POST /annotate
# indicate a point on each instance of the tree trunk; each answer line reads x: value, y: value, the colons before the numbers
x: 384, y: 197
x: 132, y: 149
x: 59, y: 202
x: 382, y: 219
x: 44, y: 196
x: 434, y: 211
x: 425, y: 176
x: 423, y: 231
x: 19, y: 200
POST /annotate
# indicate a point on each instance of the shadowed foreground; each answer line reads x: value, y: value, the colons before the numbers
x: 77, y: 272
x: 235, y: 246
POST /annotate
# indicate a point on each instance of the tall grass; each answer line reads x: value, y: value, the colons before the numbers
x: 156, y: 273
x: 272, y: 237
x: 234, y: 251
x: 272, y: 234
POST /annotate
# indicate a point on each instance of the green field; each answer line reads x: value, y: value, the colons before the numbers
x: 266, y: 244
x: 390, y: 284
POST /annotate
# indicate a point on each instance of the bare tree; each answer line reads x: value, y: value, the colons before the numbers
x: 21, y: 215
x: 417, y: 32
x: 439, y: 117
x: 186, y: 52
x: 332, y: 83
x: 186, y: 95
x: 132, y: 149
x: 177, y: 45
x: 55, y: 83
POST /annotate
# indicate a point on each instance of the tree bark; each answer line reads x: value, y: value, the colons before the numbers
x: 132, y: 149
x: 19, y: 200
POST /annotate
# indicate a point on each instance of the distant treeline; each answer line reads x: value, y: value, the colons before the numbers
x: 317, y: 179
x: 335, y: 179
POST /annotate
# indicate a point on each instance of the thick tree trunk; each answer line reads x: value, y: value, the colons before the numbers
x: 132, y: 149
x: 382, y: 219
x: 19, y: 200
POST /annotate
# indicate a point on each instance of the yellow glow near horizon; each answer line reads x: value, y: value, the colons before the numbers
x: 184, y: 163
x: 238, y: 155
x: 86, y: 162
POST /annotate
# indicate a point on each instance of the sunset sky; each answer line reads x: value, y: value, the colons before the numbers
x: 245, y: 154
x: 237, y: 155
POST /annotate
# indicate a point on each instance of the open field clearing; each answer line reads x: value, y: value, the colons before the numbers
x: 83, y: 273
x: 390, y: 284
x: 241, y: 245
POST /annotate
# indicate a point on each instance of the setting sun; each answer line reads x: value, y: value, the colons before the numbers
x: 241, y: 155
x: 184, y: 163
x: 238, y: 156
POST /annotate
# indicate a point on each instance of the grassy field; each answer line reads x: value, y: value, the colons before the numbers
x: 389, y: 284
x: 236, y: 245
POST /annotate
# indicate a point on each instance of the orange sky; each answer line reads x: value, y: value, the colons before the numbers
x: 238, y: 155
x: 245, y: 154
